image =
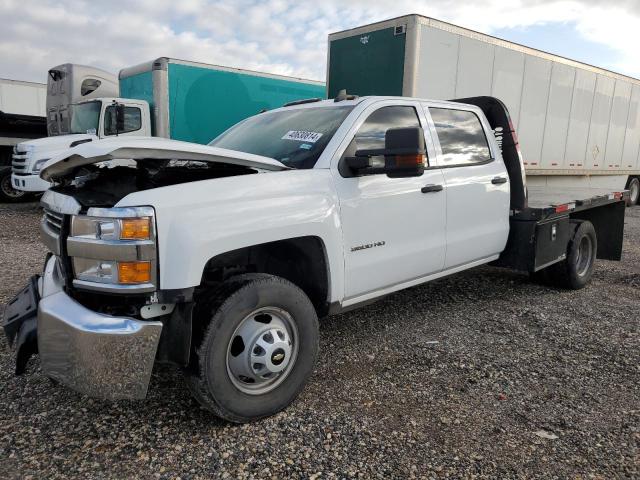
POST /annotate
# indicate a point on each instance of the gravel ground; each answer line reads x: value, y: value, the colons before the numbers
x: 524, y: 381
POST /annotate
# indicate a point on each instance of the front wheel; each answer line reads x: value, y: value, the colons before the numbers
x: 9, y: 194
x: 258, y: 350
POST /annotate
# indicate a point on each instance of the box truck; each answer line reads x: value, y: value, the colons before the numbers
x: 166, y: 97
x: 22, y: 117
x: 579, y: 124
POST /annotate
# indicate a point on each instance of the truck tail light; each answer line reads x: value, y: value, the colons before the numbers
x: 565, y: 207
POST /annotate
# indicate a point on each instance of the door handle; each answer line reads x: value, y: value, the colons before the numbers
x: 499, y: 180
x: 431, y: 188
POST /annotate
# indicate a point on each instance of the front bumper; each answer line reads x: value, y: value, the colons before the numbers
x: 99, y: 355
x: 29, y: 183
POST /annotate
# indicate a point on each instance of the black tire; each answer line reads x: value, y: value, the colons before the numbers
x: 223, y: 310
x: 8, y: 194
x: 633, y: 185
x: 576, y: 270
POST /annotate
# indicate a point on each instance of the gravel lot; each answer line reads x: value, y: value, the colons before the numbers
x: 524, y: 381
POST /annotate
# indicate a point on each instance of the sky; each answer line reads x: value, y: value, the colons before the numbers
x: 289, y: 37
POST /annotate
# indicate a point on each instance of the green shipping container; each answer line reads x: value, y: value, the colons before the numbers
x: 195, y: 102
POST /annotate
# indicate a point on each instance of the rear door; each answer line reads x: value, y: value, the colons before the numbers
x: 477, y: 185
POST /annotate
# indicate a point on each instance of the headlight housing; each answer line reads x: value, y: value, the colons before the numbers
x: 38, y: 165
x: 114, y: 249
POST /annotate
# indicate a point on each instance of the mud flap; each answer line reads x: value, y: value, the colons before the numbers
x: 20, y: 323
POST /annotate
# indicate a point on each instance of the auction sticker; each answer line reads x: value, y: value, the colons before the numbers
x: 302, y: 136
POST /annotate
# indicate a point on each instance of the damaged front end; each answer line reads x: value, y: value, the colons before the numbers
x: 20, y: 323
x: 97, y: 316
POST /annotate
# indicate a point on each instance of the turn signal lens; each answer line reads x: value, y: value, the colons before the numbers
x: 409, y: 160
x: 135, y: 229
x: 134, y: 272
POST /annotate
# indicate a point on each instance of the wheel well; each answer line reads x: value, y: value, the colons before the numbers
x: 300, y: 260
x: 608, y: 221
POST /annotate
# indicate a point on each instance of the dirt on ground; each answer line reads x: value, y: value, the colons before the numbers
x: 480, y: 375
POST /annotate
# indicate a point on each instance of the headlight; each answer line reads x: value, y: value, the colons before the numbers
x: 138, y: 228
x: 114, y: 249
x: 38, y: 165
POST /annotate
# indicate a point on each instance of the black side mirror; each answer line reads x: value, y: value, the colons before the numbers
x: 404, y: 155
x: 119, y: 118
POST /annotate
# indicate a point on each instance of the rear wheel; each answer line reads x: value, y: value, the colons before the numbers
x: 576, y: 270
x: 258, y: 349
x: 634, y: 191
x: 8, y: 194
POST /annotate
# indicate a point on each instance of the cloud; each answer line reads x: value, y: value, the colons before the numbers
x: 280, y: 36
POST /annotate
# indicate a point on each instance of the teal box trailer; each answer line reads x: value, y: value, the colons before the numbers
x: 196, y: 102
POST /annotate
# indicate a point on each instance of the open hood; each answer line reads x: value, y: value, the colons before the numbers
x: 117, y: 148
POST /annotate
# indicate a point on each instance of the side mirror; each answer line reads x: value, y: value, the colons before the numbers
x: 404, y: 155
x: 119, y: 118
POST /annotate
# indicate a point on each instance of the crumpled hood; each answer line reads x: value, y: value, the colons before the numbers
x: 149, y: 148
x: 48, y: 147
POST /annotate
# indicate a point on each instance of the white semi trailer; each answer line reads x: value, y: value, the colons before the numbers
x: 22, y: 117
x: 579, y: 125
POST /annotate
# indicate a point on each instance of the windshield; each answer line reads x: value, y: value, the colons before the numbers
x: 85, y: 117
x: 294, y: 137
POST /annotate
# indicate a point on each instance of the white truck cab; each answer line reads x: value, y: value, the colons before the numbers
x: 91, y: 120
x: 220, y: 259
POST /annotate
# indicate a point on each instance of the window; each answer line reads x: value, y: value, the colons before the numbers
x: 132, y: 120
x: 295, y: 137
x: 89, y: 85
x: 371, y: 133
x: 461, y: 135
x: 84, y: 117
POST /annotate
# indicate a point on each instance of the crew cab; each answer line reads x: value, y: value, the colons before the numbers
x: 220, y: 259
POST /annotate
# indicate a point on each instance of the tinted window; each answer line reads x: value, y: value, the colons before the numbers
x: 461, y: 135
x: 371, y: 133
x: 295, y: 137
x: 132, y: 120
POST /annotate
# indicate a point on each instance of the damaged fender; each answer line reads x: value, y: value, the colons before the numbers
x: 20, y: 323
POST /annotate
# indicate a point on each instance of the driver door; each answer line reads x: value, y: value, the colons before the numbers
x: 393, y: 228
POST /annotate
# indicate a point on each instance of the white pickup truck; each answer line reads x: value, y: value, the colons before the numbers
x: 220, y: 259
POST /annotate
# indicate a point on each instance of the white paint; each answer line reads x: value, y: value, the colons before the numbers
x: 411, y: 230
x: 22, y: 98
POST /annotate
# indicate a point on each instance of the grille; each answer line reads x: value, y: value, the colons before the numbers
x: 19, y: 164
x: 54, y: 220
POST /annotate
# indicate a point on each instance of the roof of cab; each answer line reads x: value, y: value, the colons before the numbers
x: 372, y: 99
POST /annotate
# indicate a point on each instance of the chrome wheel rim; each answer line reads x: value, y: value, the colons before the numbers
x: 7, y: 188
x: 585, y: 254
x: 262, y: 350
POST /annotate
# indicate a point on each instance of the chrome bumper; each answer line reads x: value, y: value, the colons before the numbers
x: 99, y: 355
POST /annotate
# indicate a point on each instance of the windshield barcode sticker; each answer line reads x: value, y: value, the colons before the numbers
x: 302, y: 136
